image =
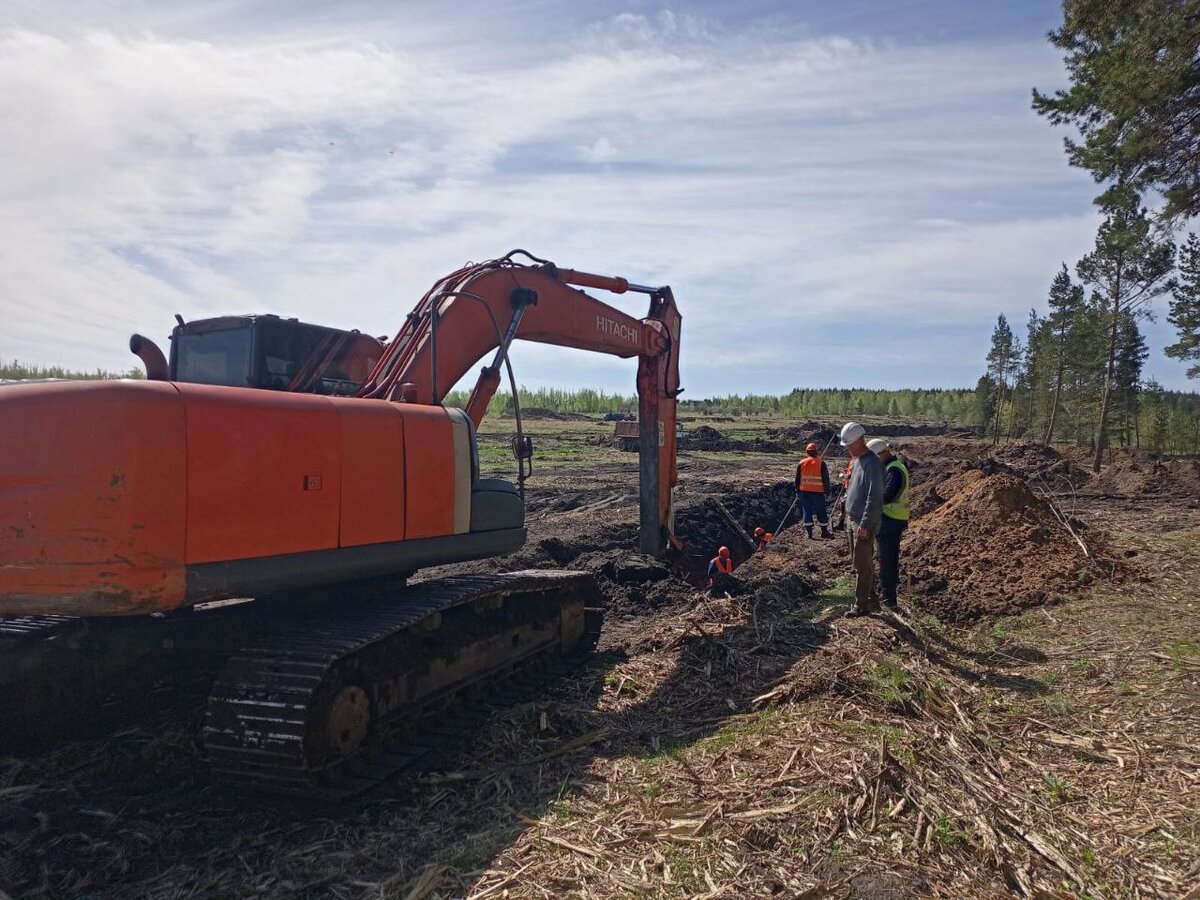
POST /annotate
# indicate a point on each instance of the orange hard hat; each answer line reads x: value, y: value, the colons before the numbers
x: 812, y: 448
x: 758, y: 532
x: 723, y: 552
x: 768, y: 537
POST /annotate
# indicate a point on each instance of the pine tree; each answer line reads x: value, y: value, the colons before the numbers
x: 1128, y: 268
x: 1034, y: 378
x: 1001, y: 360
x: 1127, y: 373
x: 1160, y: 415
x: 1066, y: 301
x: 1134, y: 96
x: 1185, y: 307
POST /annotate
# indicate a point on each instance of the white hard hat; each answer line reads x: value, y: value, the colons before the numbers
x: 851, y: 432
x: 877, y: 445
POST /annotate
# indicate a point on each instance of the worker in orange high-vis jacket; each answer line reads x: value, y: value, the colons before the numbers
x: 721, y: 564
x: 812, y: 484
x: 759, y: 533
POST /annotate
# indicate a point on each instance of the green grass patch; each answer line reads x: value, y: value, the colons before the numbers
x: 946, y: 836
x: 1183, y: 650
x: 840, y: 590
x: 1050, y: 677
x: 1058, y: 790
x: 890, y: 683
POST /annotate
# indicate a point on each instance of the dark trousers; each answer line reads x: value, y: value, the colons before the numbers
x: 812, y: 506
x: 862, y: 555
x: 890, y: 533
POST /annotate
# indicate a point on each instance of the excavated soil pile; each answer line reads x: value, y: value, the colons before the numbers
x: 945, y: 429
x: 796, y: 437
x: 708, y: 438
x: 936, y: 481
x: 1042, y: 463
x: 1132, y: 474
x: 792, y: 567
x: 538, y: 412
x: 703, y: 528
x: 939, y: 448
x: 992, y: 548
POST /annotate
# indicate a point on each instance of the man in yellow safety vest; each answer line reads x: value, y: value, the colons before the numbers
x: 895, y: 518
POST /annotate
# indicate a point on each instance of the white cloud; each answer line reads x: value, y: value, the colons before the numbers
x: 776, y: 182
x: 600, y: 150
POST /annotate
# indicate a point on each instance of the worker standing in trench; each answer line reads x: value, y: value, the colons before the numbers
x: 895, y: 518
x: 720, y: 568
x: 864, y: 512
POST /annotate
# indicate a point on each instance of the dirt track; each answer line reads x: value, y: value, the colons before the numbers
x: 718, y: 743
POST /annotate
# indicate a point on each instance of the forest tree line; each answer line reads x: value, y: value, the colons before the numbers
x: 1076, y: 374
x: 1149, y: 417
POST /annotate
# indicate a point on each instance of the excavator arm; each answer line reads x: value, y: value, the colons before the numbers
x: 482, y: 308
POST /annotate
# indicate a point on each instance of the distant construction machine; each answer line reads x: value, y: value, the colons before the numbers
x: 627, y: 435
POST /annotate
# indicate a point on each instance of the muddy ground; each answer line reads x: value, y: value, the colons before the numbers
x: 1025, y: 725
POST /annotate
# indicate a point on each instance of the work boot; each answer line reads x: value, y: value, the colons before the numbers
x: 891, y: 603
x: 855, y: 612
x: 826, y: 533
x: 808, y: 530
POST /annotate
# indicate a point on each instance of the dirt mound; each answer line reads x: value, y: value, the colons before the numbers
x: 703, y: 528
x: 1042, y: 463
x: 792, y: 566
x: 937, y: 483
x: 992, y: 547
x: 944, y: 428
x: 623, y: 567
x: 950, y: 447
x: 1132, y: 474
x: 538, y: 412
x: 797, y: 437
x: 705, y: 437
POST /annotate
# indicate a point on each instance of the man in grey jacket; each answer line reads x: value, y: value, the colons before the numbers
x: 864, y: 512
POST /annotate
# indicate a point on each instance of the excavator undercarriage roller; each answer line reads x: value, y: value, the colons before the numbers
x: 342, y: 703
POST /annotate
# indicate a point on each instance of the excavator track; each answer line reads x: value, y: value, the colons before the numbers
x: 336, y: 705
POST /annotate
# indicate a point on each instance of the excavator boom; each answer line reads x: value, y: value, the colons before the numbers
x: 482, y: 308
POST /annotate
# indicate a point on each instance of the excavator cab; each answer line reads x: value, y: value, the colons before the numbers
x: 271, y: 353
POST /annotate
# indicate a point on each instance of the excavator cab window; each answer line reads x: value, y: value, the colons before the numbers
x: 272, y: 354
x: 219, y: 356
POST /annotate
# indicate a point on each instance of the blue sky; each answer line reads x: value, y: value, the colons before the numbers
x: 838, y: 193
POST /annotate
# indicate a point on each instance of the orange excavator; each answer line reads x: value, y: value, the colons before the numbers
x: 314, y: 471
